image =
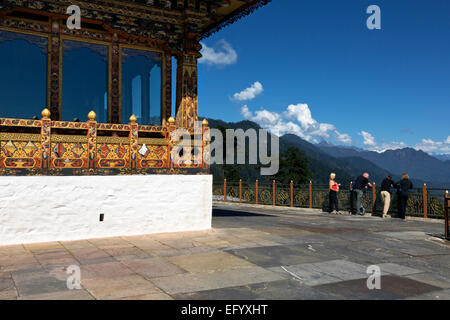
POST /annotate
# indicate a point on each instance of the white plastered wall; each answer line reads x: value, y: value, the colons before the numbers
x: 54, y: 208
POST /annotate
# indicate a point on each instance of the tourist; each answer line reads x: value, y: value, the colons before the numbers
x: 334, y: 189
x: 404, y: 186
x: 386, y: 186
x: 361, y: 184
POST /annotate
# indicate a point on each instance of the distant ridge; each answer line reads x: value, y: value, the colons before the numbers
x: 416, y: 163
x: 348, y: 164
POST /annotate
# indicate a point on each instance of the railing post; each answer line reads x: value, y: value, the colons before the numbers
x: 224, y: 190
x: 92, y: 139
x: 425, y: 201
x: 257, y: 194
x: 273, y: 193
x: 134, y: 144
x: 351, y: 197
x: 45, y: 138
x: 240, y: 190
x: 292, y: 194
x: 310, y: 195
x: 374, y: 198
x: 170, y: 129
x: 446, y: 213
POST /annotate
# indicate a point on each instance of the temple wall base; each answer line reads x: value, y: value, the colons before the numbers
x: 63, y: 208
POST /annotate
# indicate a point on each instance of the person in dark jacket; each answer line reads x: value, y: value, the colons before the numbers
x: 361, y: 184
x: 404, y: 186
x: 385, y: 193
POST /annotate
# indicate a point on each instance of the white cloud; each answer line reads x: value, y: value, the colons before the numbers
x: 246, y: 112
x: 429, y: 145
x: 369, y: 140
x: 302, y: 113
x: 224, y: 55
x: 342, y: 137
x: 372, y: 145
x: 297, y: 119
x: 249, y: 93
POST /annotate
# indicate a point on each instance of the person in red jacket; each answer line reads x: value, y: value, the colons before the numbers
x: 334, y: 189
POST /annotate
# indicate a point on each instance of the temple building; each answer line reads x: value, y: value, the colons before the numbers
x: 98, y: 100
x: 89, y: 145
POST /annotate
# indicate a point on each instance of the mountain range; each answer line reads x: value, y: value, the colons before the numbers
x: 416, y: 163
x: 349, y: 162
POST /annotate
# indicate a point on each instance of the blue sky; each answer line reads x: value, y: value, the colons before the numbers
x: 313, y: 68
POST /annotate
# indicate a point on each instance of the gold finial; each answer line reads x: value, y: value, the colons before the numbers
x: 92, y: 115
x: 46, y: 114
x: 133, y: 118
x: 171, y: 120
x: 205, y: 122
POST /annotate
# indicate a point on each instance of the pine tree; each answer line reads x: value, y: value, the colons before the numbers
x: 293, y: 167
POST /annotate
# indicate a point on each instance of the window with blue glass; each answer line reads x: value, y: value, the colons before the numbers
x: 141, y: 86
x: 84, y: 80
x: 23, y: 70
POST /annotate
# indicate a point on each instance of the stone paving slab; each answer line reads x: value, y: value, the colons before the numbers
x: 277, y: 255
x: 306, y: 277
x: 276, y: 290
x: 153, y: 267
x: 432, y: 279
x: 222, y: 279
x: 12, y: 250
x: 397, y: 269
x: 60, y: 295
x: 150, y: 296
x: 406, y: 235
x: 10, y: 294
x: 209, y: 262
x: 22, y: 261
x: 91, y: 255
x: 126, y: 252
x: 119, y: 287
x: 105, y: 270
x: 36, y: 281
x: 392, y: 287
x: 6, y: 283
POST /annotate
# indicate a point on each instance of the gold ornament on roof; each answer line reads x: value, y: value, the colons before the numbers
x: 133, y: 118
x: 92, y: 116
x: 46, y: 114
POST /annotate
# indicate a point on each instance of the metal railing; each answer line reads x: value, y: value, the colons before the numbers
x: 423, y: 202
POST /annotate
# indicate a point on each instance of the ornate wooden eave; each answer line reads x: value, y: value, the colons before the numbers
x: 166, y: 21
x: 232, y: 14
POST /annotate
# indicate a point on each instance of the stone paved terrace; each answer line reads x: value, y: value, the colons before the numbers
x: 251, y: 253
